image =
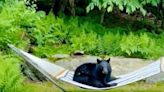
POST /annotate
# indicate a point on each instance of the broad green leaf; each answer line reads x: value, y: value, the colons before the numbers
x: 128, y: 10
x: 125, y: 2
x: 104, y: 5
x: 143, y: 11
x: 154, y: 2
x: 121, y: 7
x: 92, y: 6
x: 88, y: 9
x: 133, y: 8
x: 109, y: 9
x: 99, y: 6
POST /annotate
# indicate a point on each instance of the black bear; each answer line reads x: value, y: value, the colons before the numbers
x: 97, y: 75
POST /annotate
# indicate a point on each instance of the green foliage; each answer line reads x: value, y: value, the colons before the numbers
x: 43, y: 51
x: 135, y: 45
x: 47, y: 35
x: 153, y: 2
x: 129, y: 5
x: 11, y: 17
x: 83, y: 41
x: 109, y: 44
x: 11, y: 79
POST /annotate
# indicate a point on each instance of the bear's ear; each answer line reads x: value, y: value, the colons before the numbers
x: 108, y: 60
x: 98, y: 61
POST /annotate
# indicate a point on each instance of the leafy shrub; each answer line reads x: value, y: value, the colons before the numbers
x: 141, y: 45
x: 10, y: 25
x: 83, y: 41
x: 109, y: 44
x: 129, y: 6
x: 47, y: 34
x: 135, y: 45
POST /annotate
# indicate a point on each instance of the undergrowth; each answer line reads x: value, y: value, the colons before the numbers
x: 11, y: 79
x: 45, y: 35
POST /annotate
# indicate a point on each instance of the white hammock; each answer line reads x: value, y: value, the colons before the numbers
x: 52, y: 71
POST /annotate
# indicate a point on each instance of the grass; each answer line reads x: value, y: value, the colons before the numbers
x: 135, y: 87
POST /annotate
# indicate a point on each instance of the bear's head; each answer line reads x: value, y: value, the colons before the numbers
x: 103, y: 66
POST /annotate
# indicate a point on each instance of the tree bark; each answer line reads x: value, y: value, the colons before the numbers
x: 162, y: 14
x: 161, y: 11
x: 102, y: 16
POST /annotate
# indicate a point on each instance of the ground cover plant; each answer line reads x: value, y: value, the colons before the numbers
x: 11, y: 78
x: 46, y: 35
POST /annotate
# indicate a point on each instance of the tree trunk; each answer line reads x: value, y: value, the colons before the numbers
x: 102, y: 16
x: 162, y: 14
x: 72, y: 6
x: 161, y: 11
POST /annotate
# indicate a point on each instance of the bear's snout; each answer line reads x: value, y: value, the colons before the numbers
x: 105, y: 71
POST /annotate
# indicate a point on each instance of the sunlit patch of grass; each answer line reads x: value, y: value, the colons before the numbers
x: 42, y: 87
x: 139, y: 87
x: 135, y: 87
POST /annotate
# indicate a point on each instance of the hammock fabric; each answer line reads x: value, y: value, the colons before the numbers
x: 53, y: 72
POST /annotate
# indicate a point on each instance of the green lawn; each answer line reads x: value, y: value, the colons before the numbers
x: 135, y: 87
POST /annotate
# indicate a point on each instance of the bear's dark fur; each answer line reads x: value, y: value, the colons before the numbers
x: 97, y: 75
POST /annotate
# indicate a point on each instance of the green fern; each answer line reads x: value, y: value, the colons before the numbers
x: 11, y: 79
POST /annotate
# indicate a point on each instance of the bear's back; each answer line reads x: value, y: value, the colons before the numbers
x: 86, y: 68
